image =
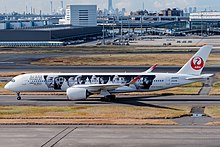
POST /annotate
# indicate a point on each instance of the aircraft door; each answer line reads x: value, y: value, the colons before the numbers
x: 168, y: 81
x: 24, y: 81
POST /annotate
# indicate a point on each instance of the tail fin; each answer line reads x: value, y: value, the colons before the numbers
x: 196, y: 64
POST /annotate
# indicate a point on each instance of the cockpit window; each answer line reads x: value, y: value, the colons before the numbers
x: 13, y: 80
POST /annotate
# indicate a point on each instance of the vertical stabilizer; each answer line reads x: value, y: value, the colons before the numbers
x: 196, y: 64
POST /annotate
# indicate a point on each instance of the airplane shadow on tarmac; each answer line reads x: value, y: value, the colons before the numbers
x: 133, y: 101
x: 129, y: 100
x: 89, y: 100
x: 46, y: 100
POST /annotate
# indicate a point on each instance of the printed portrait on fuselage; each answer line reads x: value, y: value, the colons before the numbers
x: 54, y: 81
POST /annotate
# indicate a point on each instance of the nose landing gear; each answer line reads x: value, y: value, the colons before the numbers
x: 18, y: 96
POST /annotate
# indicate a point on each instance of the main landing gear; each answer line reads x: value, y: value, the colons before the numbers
x: 109, y: 98
x: 18, y: 96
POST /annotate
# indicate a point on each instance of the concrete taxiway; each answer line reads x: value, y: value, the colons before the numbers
x: 21, y: 63
x: 114, y: 136
x: 149, y: 101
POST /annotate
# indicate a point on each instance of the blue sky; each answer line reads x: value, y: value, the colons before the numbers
x: 152, y: 5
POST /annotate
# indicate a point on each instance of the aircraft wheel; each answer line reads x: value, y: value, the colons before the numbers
x: 19, y: 98
x: 112, y: 98
x: 109, y: 98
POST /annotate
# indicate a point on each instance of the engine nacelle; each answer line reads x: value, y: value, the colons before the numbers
x: 77, y: 93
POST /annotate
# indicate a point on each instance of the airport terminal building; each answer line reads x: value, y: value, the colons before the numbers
x: 54, y: 33
x: 80, y: 24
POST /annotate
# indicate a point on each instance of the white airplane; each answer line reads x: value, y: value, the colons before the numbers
x: 79, y: 86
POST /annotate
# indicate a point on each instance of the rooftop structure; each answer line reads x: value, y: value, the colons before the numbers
x: 172, y: 12
x: 31, y: 43
x: 110, y: 6
x: 205, y: 16
x: 81, y: 15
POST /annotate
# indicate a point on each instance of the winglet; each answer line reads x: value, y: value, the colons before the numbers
x: 151, y: 68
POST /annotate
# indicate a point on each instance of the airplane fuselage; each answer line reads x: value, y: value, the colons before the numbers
x: 81, y: 85
x: 60, y: 82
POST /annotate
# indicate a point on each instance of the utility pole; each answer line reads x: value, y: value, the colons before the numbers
x: 141, y: 24
x: 51, y: 7
x: 201, y: 24
x: 129, y: 26
x: 121, y: 28
x: 103, y: 30
x: 113, y: 28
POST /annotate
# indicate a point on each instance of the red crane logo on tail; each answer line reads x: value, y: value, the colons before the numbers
x: 197, y: 63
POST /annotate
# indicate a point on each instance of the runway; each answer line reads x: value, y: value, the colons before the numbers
x: 148, y: 101
x: 21, y: 63
x: 114, y: 136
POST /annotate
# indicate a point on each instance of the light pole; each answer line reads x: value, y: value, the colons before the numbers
x: 103, y: 31
x: 121, y: 28
x: 141, y: 24
x: 129, y: 26
x: 201, y: 24
x: 113, y: 37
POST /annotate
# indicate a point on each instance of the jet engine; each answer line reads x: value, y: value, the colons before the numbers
x: 77, y: 93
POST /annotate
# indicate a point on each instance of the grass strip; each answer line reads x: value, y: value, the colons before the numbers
x: 215, y: 123
x: 93, y: 49
x: 215, y: 89
x: 11, y: 74
x: 123, y: 60
x: 85, y: 122
x: 213, y: 111
x: 92, y: 112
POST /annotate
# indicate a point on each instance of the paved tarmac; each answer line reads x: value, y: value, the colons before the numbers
x: 167, y: 136
x: 110, y: 136
x: 148, y: 101
x: 82, y: 69
x: 21, y: 63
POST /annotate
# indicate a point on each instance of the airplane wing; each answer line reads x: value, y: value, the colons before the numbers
x: 138, y: 77
x: 151, y: 68
x: 133, y: 81
x: 99, y: 87
x: 110, y: 86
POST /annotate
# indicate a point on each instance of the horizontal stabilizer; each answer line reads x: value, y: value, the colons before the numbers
x: 205, y: 76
